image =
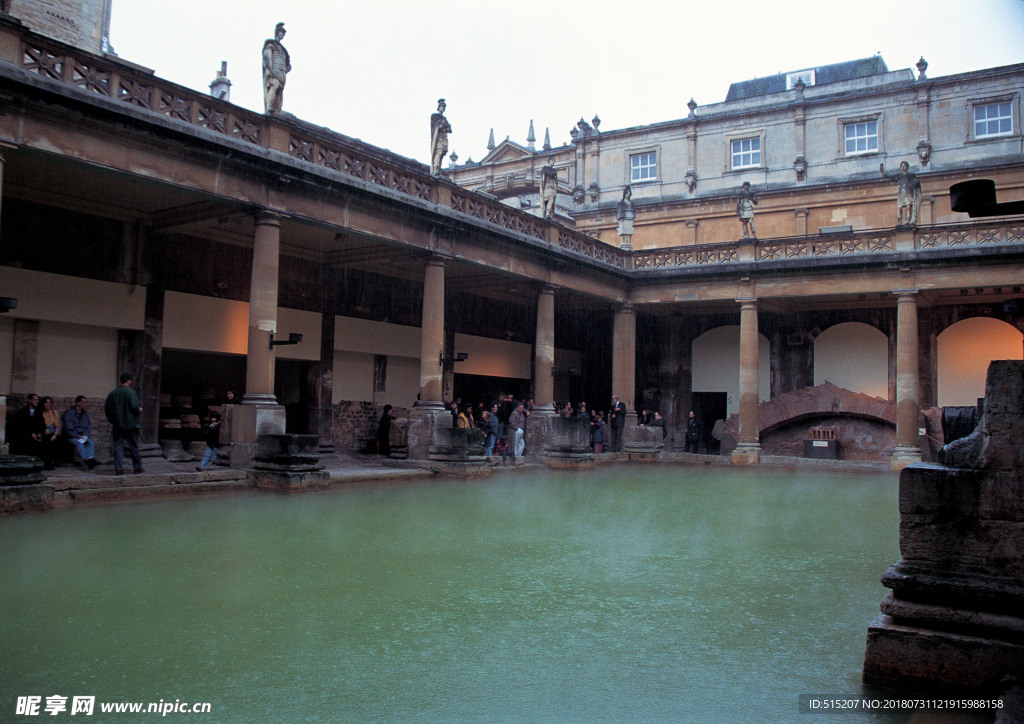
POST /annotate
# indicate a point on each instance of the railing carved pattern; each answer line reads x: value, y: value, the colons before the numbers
x: 91, y: 74
x: 975, y: 236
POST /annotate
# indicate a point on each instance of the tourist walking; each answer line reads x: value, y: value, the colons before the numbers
x: 211, y: 436
x: 124, y: 412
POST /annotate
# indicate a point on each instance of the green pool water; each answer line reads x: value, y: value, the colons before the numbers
x: 623, y: 594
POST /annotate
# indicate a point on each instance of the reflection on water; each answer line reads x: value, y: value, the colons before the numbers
x: 625, y: 594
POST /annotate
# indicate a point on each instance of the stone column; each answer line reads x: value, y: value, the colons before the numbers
x: 748, y: 448
x: 323, y: 391
x: 429, y: 412
x: 259, y: 413
x: 624, y: 355
x: 544, y: 352
x: 432, y: 335
x: 259, y: 368
x: 907, y: 408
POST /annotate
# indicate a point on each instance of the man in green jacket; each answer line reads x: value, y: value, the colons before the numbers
x: 124, y: 414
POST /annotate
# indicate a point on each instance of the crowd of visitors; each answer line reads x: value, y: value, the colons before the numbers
x: 504, y: 423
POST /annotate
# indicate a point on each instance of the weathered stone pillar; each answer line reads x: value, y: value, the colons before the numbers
x: 432, y: 334
x: 748, y: 448
x: 324, y: 385
x: 259, y: 368
x: 25, y: 356
x: 544, y: 352
x: 907, y: 408
x: 259, y: 414
x: 429, y: 409
x: 624, y: 355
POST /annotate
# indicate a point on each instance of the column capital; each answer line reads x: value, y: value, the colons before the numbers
x: 907, y: 293
x: 625, y: 308
x: 548, y: 289
x: 435, y: 260
x: 269, y: 217
x: 747, y: 302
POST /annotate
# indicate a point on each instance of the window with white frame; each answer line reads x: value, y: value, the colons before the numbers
x: 993, y: 119
x: 643, y: 166
x: 861, y: 137
x: 806, y: 76
x: 746, y: 152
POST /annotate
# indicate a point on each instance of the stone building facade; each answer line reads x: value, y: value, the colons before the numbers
x: 153, y: 228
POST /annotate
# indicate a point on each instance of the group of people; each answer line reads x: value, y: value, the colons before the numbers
x: 504, y: 421
x: 40, y: 431
x: 503, y: 424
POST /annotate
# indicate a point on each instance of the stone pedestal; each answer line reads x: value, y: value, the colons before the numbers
x: 954, y: 620
x: 247, y: 423
x: 288, y: 464
x: 458, y: 451
x: 423, y: 418
x: 567, y: 443
x: 23, y: 485
x: 643, y: 443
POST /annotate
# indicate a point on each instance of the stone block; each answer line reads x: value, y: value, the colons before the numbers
x: 27, y: 497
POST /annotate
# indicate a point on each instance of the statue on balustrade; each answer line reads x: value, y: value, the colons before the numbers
x: 908, y: 195
x: 276, y: 64
x: 439, y: 130
x: 745, y: 210
x: 548, y: 189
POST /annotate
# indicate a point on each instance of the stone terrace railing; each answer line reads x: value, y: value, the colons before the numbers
x: 319, y: 147
x: 808, y: 247
x: 336, y: 152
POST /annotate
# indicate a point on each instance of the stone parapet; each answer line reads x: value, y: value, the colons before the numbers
x: 952, y: 621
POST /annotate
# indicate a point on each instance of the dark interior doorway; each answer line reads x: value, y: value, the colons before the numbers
x: 709, y: 407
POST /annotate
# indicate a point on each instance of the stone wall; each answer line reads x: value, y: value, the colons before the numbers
x: 356, y: 422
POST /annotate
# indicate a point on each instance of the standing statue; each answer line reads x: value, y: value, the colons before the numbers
x: 745, y: 210
x: 908, y: 197
x: 439, y: 130
x: 276, y: 64
x: 548, y: 189
x: 625, y: 209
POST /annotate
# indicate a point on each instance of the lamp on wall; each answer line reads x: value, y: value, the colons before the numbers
x: 978, y: 198
x: 293, y: 338
x: 459, y: 357
x: 7, y: 304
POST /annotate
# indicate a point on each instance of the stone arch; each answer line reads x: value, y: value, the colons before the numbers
x: 716, y: 364
x: 853, y: 356
x: 964, y: 351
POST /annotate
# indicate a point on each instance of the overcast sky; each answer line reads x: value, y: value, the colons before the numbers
x: 374, y: 70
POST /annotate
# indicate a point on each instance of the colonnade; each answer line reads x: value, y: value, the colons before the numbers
x: 260, y: 413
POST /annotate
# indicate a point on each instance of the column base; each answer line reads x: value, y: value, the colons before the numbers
x: 903, y: 456
x: 747, y: 453
x: 424, y: 416
x: 248, y: 422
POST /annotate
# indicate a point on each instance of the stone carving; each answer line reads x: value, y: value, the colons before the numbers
x: 548, y: 189
x: 691, y: 180
x: 745, y: 210
x: 924, y: 151
x: 595, y: 191
x: 276, y: 65
x: 439, y: 130
x: 800, y: 166
x: 578, y: 193
x: 908, y: 196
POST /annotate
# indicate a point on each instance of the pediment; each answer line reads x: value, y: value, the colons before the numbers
x: 507, y: 151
